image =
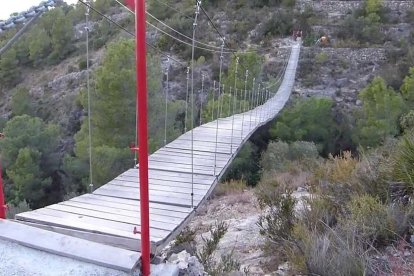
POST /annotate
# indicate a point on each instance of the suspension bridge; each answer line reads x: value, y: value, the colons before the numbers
x: 103, y: 226
x: 109, y: 215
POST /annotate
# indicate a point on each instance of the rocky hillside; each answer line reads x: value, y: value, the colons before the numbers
x: 342, y: 67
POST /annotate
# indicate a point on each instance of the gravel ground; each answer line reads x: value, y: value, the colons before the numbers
x: 20, y: 260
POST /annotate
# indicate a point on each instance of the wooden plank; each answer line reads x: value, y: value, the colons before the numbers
x: 200, y: 146
x: 178, y: 160
x: 198, y: 163
x: 198, y: 189
x: 157, y: 174
x: 200, y: 149
x: 121, y: 242
x: 184, y: 201
x: 211, y: 137
x: 159, y: 199
x: 161, y: 182
x: 203, y: 146
x: 198, y: 154
x: 171, y: 168
x: 154, y: 221
x: 96, y: 225
x: 171, y: 153
x: 126, y: 207
x: 177, y: 177
x: 135, y: 203
x: 119, y: 208
x: 168, y: 167
x: 177, y: 194
x: 67, y: 246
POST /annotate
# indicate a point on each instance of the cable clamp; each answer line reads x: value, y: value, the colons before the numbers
x: 133, y: 147
x: 135, y: 231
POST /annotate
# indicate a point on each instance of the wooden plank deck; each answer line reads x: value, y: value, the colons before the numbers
x: 110, y: 214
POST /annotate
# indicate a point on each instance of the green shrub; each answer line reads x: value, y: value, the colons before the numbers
x: 381, y: 110
x: 230, y: 187
x: 280, y: 156
x: 334, y: 252
x: 369, y: 217
x: 82, y: 64
x: 321, y: 58
x: 403, y: 161
x: 244, y: 166
x: 278, y: 221
x: 300, y: 150
x: 321, y: 211
x: 280, y: 24
x: 410, y: 16
x: 21, y: 207
x: 407, y: 121
x: 275, y: 156
x: 205, y: 255
x: 307, y: 120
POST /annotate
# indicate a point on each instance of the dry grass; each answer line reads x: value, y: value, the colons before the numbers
x: 231, y: 187
x: 337, y: 169
x: 293, y: 180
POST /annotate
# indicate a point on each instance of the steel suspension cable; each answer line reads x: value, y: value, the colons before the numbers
x: 174, y: 9
x: 223, y: 93
x: 197, y: 12
x: 131, y: 34
x: 243, y: 101
x: 185, y: 36
x: 214, y: 95
x: 234, y: 103
x: 230, y: 100
x: 217, y: 122
x: 201, y: 99
x: 251, y: 103
x: 186, y: 100
x: 166, y: 101
x: 89, y: 102
x: 178, y: 32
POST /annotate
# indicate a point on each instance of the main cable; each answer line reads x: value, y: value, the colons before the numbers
x: 132, y: 34
x: 176, y: 38
x: 89, y: 102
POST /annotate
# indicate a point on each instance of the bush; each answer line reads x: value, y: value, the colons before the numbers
x: 369, y: 218
x: 403, y: 162
x: 278, y: 221
x: 410, y: 16
x: 280, y: 156
x: 300, y: 150
x: 275, y: 156
x: 279, y: 24
x: 307, y: 120
x: 321, y: 58
x: 13, y: 210
x: 245, y: 165
x: 227, y: 263
x: 334, y: 252
x: 82, y: 64
x: 230, y: 187
x: 337, y: 169
x: 381, y: 110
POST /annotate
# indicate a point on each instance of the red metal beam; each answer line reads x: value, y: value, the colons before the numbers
x: 141, y: 74
x: 2, y: 200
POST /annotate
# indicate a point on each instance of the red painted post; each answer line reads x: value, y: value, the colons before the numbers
x: 2, y: 200
x: 141, y: 73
